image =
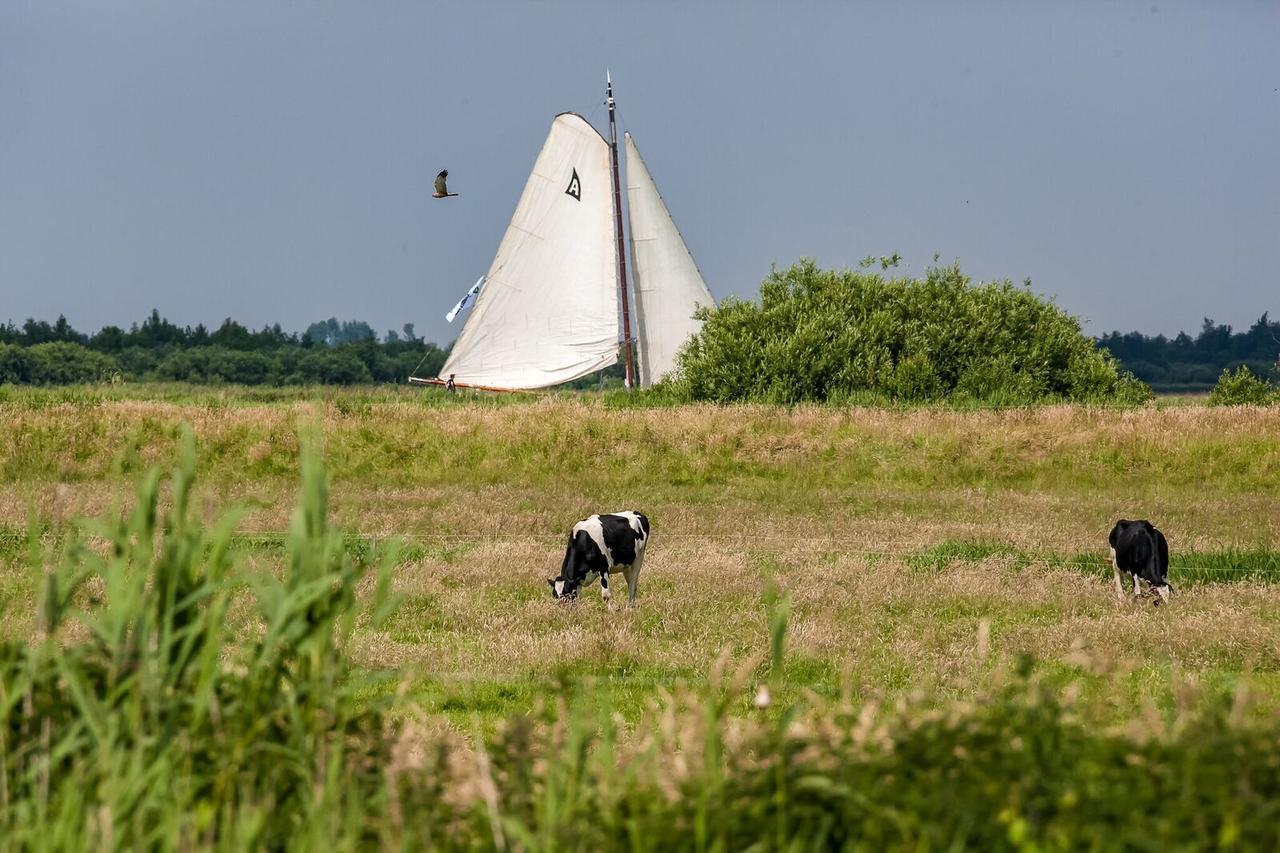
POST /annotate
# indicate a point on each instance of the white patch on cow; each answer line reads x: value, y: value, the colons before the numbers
x: 595, y: 530
x: 1163, y: 591
x: 559, y: 588
x: 1136, y: 588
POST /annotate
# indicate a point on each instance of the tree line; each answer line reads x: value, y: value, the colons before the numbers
x: 1187, y: 363
x: 350, y: 352
x: 328, y: 352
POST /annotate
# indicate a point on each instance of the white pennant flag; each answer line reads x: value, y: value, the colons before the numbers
x: 471, y: 294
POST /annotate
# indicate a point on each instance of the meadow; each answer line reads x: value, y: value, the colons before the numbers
x: 923, y: 555
x: 895, y: 532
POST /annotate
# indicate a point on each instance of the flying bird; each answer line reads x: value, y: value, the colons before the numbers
x: 442, y: 190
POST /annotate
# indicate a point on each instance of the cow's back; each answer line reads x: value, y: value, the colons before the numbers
x: 625, y: 534
x: 1138, y: 550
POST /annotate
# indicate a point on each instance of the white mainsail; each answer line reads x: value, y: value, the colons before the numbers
x: 548, y: 312
x: 668, y: 286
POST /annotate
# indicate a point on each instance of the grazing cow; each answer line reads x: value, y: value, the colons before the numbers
x: 599, y: 546
x: 1141, y: 552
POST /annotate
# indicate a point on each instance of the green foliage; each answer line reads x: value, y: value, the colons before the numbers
x: 15, y: 365
x: 56, y: 363
x: 1240, y: 387
x: 1187, y: 363
x: 1022, y: 770
x: 157, y: 724
x: 331, y: 353
x: 822, y: 335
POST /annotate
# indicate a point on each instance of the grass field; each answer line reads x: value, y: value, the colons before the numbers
x: 920, y: 548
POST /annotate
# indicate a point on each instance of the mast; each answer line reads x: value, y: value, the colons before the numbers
x: 617, y: 218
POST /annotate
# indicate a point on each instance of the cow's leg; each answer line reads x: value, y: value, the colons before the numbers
x: 604, y: 585
x: 1136, y: 587
x: 632, y: 574
x: 1115, y: 566
x: 1119, y: 585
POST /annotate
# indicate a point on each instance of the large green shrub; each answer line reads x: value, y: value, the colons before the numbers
x: 65, y: 363
x: 15, y: 364
x: 1240, y: 387
x: 826, y: 335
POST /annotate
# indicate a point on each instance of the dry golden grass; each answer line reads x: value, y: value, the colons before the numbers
x: 837, y: 504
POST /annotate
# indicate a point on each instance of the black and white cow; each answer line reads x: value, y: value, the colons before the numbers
x: 599, y: 546
x: 1141, y: 552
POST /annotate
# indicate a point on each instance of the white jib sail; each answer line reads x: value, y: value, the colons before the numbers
x: 548, y: 312
x: 668, y: 286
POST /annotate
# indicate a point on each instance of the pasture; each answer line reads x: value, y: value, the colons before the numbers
x: 922, y: 549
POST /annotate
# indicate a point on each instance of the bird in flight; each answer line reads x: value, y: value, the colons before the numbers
x: 442, y: 190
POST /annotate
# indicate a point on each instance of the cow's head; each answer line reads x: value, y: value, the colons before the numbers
x: 567, y: 584
x: 563, y: 588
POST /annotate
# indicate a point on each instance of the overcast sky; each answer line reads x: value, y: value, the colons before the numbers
x: 272, y: 161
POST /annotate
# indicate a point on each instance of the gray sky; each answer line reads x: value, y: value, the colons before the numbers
x: 272, y: 162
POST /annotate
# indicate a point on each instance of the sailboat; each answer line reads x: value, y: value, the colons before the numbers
x: 555, y: 304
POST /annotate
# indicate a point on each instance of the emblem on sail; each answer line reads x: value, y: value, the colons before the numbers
x: 555, y: 306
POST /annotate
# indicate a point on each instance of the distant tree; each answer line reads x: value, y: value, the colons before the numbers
x: 332, y: 333
x: 156, y: 330
x: 109, y: 339
x: 40, y: 332
x: 1195, y: 363
x: 232, y: 335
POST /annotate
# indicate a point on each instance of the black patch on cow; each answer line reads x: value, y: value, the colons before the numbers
x: 1141, y: 550
x: 620, y: 538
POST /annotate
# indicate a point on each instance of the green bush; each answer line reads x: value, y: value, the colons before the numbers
x: 65, y: 363
x: 822, y: 335
x: 15, y: 365
x: 1240, y: 387
x: 338, y: 366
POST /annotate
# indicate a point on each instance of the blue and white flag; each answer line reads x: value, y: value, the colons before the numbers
x: 471, y: 294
